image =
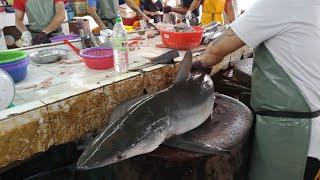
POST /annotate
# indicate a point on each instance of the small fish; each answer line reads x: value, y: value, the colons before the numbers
x: 139, y: 126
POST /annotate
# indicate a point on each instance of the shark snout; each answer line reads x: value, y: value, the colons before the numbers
x: 96, y: 160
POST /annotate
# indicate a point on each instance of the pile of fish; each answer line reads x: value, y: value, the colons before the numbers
x: 179, y: 27
x: 140, y: 125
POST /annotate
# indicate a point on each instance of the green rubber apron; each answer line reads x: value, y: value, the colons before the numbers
x: 40, y: 13
x: 283, y: 122
x: 108, y: 12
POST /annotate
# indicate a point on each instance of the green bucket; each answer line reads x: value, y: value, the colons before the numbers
x: 12, y: 56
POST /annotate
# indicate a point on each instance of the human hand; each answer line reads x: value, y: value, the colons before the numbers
x: 40, y: 38
x: 144, y: 17
x: 200, y: 66
x: 26, y: 38
x: 159, y: 13
x: 188, y: 15
x: 167, y: 9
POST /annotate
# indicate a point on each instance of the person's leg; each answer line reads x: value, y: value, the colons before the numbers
x: 312, y: 171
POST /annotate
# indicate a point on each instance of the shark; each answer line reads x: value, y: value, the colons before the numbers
x: 140, y: 125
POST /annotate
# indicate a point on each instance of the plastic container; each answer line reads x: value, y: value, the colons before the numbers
x: 18, y: 70
x: 97, y: 57
x: 130, y: 21
x: 182, y: 40
x: 64, y: 37
x: 120, y: 47
x: 12, y: 56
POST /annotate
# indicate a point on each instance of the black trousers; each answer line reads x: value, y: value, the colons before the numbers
x: 312, y: 169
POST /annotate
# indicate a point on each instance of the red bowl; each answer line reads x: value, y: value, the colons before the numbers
x: 97, y: 57
x: 182, y: 40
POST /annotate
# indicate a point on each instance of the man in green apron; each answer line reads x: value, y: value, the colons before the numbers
x: 104, y: 12
x: 44, y: 16
x: 285, y: 84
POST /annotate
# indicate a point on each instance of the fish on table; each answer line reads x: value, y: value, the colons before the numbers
x: 140, y: 125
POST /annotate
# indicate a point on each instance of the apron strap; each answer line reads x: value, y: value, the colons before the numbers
x: 289, y: 114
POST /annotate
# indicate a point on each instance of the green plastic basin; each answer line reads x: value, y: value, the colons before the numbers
x: 12, y: 56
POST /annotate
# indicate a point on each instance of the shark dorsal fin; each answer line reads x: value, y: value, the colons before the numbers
x: 185, y: 68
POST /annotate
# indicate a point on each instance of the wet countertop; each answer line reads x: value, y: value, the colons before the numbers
x: 60, y: 102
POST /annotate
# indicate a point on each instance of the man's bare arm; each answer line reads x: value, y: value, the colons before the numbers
x: 194, y: 5
x: 228, y: 8
x: 134, y: 7
x: 57, y: 19
x: 180, y: 10
x: 227, y: 43
x: 19, y: 16
x: 92, y: 11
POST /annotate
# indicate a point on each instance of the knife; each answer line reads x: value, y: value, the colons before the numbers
x: 165, y: 58
x: 152, y: 25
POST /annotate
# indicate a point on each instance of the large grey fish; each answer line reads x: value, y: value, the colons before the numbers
x: 139, y: 126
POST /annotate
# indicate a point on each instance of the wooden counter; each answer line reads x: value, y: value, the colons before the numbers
x: 78, y: 101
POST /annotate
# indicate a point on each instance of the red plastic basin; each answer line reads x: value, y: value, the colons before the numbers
x: 97, y: 57
x: 182, y: 40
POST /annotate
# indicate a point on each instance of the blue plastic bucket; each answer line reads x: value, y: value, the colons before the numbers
x: 18, y: 70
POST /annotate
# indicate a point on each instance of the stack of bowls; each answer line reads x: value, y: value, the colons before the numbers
x: 15, y: 63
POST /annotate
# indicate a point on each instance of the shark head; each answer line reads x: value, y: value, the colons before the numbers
x: 94, y: 156
x: 121, y: 140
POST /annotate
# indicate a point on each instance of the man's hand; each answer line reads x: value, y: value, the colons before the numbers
x: 26, y: 38
x: 167, y: 9
x: 158, y: 13
x: 40, y: 38
x: 200, y: 66
x: 145, y: 17
x: 188, y: 15
x: 225, y: 44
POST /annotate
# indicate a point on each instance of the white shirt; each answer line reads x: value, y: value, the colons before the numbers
x: 290, y: 29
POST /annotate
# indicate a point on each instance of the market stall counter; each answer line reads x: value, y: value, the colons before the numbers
x: 59, y: 102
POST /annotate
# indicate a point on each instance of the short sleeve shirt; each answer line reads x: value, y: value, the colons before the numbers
x: 290, y: 29
x: 92, y: 3
x: 152, y: 7
x: 21, y: 4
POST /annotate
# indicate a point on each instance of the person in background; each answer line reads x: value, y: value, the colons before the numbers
x: 183, y: 9
x: 45, y: 18
x: 154, y: 9
x: 104, y: 12
x: 212, y: 11
x: 285, y: 89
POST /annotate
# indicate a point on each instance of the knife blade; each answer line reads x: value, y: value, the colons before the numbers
x: 165, y: 58
x: 152, y: 25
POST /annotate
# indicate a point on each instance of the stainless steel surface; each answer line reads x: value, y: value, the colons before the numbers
x: 47, y: 56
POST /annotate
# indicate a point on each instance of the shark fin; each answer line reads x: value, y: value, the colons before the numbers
x: 125, y: 106
x: 184, y: 144
x: 185, y: 68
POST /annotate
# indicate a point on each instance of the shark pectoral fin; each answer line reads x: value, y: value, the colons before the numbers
x: 185, y: 68
x: 181, y: 143
x: 125, y: 106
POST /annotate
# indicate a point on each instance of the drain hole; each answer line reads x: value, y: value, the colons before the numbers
x: 145, y: 91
